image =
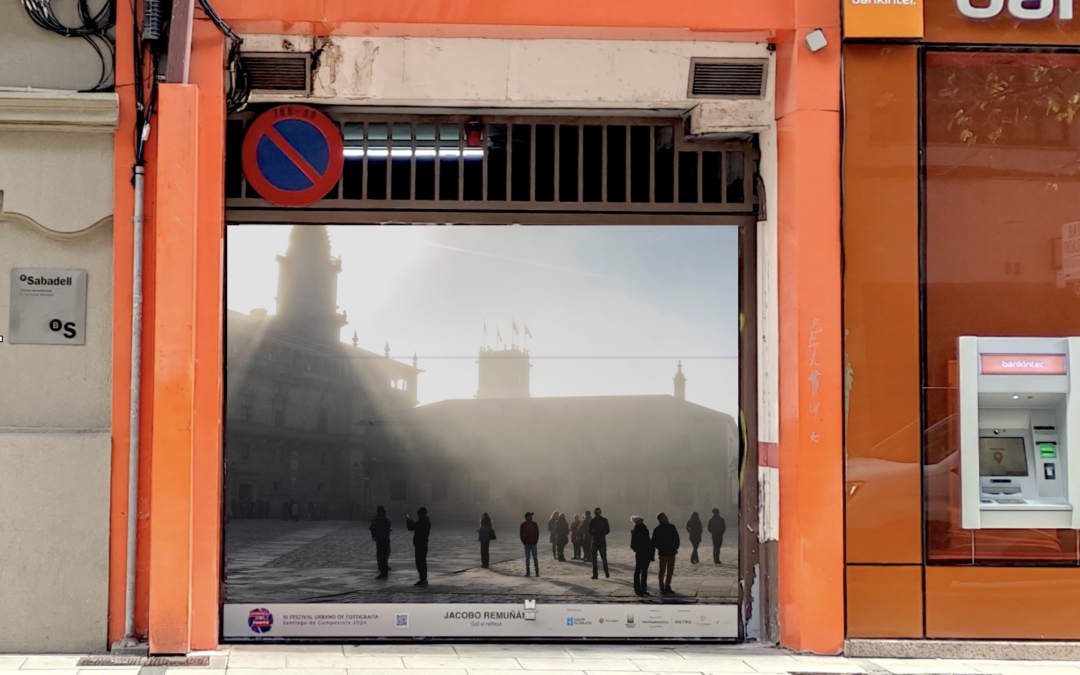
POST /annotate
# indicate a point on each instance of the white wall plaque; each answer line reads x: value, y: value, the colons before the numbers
x: 48, y: 307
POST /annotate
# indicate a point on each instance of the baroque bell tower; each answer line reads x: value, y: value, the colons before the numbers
x: 307, y: 286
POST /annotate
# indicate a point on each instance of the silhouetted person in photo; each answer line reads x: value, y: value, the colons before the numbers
x: 487, y: 533
x: 599, y: 529
x: 695, y: 528
x: 644, y: 554
x: 586, y: 537
x: 421, y: 529
x: 717, y: 528
x: 562, y: 536
x: 296, y: 511
x: 530, y: 535
x: 285, y: 510
x: 666, y: 540
x: 551, y: 534
x: 380, y: 533
x: 575, y: 536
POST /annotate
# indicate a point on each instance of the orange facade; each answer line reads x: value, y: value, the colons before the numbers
x: 956, y: 187
x: 181, y: 464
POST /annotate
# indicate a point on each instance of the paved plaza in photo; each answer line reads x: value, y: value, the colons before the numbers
x: 334, y: 561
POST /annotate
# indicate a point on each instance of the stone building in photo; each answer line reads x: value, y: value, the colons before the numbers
x: 295, y: 392
x: 629, y: 455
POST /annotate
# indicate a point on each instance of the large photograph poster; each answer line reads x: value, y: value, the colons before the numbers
x: 469, y: 416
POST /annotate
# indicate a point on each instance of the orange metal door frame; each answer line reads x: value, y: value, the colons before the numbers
x: 179, y: 609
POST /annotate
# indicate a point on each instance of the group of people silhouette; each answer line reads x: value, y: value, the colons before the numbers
x: 587, y: 532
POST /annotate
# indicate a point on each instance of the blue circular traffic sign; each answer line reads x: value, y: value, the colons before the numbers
x: 293, y: 155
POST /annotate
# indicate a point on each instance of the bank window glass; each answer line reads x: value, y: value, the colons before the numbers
x: 1002, y: 206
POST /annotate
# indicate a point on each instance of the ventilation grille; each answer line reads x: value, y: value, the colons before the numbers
x: 731, y: 78
x: 278, y: 72
x: 153, y: 661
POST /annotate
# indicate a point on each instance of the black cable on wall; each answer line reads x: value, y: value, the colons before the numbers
x: 94, y: 27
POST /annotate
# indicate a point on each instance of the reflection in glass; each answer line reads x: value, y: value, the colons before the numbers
x: 1003, y: 183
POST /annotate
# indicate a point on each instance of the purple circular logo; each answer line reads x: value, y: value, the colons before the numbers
x: 260, y: 620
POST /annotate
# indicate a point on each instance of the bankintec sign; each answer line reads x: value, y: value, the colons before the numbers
x: 1023, y: 364
x: 1023, y: 22
x: 1025, y: 10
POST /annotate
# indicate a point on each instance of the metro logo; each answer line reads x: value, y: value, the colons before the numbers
x: 1026, y: 10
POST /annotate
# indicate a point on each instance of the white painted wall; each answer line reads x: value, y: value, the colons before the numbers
x: 56, y: 201
x: 602, y: 75
x: 35, y: 57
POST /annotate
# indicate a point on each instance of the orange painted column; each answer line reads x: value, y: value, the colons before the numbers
x: 173, y: 361
x: 811, y: 545
x: 207, y: 71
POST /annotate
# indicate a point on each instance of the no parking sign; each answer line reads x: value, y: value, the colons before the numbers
x: 293, y: 155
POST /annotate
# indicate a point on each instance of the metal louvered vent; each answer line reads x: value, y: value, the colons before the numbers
x: 530, y: 163
x: 727, y: 78
x: 274, y: 72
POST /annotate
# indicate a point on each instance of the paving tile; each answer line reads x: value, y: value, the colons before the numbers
x: 606, y: 664
x: 512, y: 651
x: 354, y: 662
x: 50, y: 663
x: 535, y: 672
x: 455, y: 662
x: 773, y: 663
x: 695, y: 665
x: 309, y: 660
x: 921, y: 666
x: 257, y: 660
x: 287, y: 649
x: 1027, y: 667
x: 826, y: 664
x: 290, y: 671
x: 634, y: 652
x: 421, y: 671
x: 400, y: 650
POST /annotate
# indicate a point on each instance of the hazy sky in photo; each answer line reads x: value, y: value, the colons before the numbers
x: 612, y: 309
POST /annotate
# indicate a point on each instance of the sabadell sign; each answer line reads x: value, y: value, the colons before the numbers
x: 1027, y: 10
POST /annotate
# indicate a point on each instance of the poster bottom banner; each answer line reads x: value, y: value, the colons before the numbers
x: 495, y: 620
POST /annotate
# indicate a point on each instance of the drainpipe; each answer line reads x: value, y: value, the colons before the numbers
x: 130, y: 642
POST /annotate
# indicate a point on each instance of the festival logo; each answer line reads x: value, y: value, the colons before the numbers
x: 260, y: 620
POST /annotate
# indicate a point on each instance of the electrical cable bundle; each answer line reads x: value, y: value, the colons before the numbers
x: 94, y: 28
x: 238, y: 89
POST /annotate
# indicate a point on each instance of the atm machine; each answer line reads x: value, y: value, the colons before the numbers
x: 1020, y: 432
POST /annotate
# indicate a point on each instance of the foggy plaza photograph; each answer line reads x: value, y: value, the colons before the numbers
x: 411, y: 410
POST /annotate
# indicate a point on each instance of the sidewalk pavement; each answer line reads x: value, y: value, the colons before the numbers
x: 533, y: 659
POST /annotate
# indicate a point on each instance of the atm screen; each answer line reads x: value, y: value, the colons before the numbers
x: 1002, y: 457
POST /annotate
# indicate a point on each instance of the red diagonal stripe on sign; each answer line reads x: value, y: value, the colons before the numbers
x: 294, y: 156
